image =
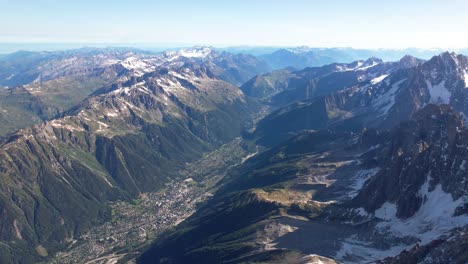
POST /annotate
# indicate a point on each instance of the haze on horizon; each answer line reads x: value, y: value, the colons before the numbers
x: 357, y: 24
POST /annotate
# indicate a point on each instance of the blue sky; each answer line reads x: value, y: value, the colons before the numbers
x: 332, y: 23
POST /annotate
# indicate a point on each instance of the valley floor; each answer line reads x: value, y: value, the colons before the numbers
x: 136, y: 224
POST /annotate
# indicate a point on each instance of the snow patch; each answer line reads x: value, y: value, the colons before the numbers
x: 433, y: 219
x: 138, y: 66
x: 61, y: 124
x: 360, y: 178
x: 462, y: 165
x: 439, y: 93
x: 110, y: 62
x: 384, y: 103
x: 354, y: 250
x: 465, y: 78
x: 344, y: 67
x: 379, y: 79
x: 387, y: 211
x: 112, y: 113
x: 124, y: 90
x: 316, y: 259
x: 434, y: 73
x: 361, y: 211
x: 367, y: 67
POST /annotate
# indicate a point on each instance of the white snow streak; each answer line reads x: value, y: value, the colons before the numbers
x: 379, y: 79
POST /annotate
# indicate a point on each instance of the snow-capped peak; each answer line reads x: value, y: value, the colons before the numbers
x: 195, y: 52
x: 358, y: 65
x: 444, y: 63
x: 369, y: 63
x: 137, y: 65
x: 299, y: 50
x: 133, y: 62
x: 449, y: 57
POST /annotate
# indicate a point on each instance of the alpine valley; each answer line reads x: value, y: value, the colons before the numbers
x: 200, y: 155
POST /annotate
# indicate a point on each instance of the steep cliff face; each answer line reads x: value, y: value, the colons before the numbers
x: 429, y: 149
x: 423, y: 173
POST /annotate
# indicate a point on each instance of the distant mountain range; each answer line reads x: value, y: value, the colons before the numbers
x: 302, y: 57
x: 278, y: 57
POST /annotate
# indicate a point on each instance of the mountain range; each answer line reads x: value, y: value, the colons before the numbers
x: 362, y: 173
x: 232, y: 158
